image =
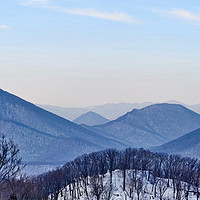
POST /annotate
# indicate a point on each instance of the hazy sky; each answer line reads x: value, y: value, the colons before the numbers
x: 90, y: 52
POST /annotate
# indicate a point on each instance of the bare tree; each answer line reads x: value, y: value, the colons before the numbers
x: 10, y: 163
x: 96, y: 182
x: 139, y: 187
x: 162, y: 188
x: 137, y: 165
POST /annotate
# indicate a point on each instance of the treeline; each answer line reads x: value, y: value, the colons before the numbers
x: 161, y: 170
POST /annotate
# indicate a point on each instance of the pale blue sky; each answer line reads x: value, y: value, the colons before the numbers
x: 89, y: 52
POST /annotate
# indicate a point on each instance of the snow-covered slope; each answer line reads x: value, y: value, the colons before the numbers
x: 43, y: 137
x: 91, y: 119
x: 145, y: 190
x: 152, y: 125
x: 187, y: 145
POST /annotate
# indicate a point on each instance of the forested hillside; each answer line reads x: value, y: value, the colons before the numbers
x: 93, y: 176
x: 43, y: 137
x: 150, y: 126
x: 187, y: 145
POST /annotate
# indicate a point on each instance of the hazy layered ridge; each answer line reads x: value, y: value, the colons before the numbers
x: 110, y: 111
x: 195, y: 107
x: 187, y: 145
x: 44, y: 137
x: 67, y: 113
x: 91, y: 119
x: 150, y: 126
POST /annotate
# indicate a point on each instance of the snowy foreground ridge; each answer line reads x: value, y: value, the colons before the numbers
x: 99, y: 188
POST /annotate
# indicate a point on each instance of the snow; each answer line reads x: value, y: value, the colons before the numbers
x: 117, y: 189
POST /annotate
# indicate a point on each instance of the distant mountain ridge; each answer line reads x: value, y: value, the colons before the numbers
x: 110, y: 111
x: 91, y: 119
x: 44, y: 137
x: 187, y: 145
x: 67, y: 113
x: 152, y: 125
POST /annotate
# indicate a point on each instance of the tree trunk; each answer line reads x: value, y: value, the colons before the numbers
x: 124, y: 180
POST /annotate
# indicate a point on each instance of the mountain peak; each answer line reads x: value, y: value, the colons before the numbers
x: 91, y: 118
x: 154, y: 124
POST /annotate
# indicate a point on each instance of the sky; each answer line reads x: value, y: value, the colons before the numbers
x: 79, y: 53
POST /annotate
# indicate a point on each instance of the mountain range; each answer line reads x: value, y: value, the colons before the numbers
x: 110, y: 111
x: 150, y: 126
x: 44, y: 137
